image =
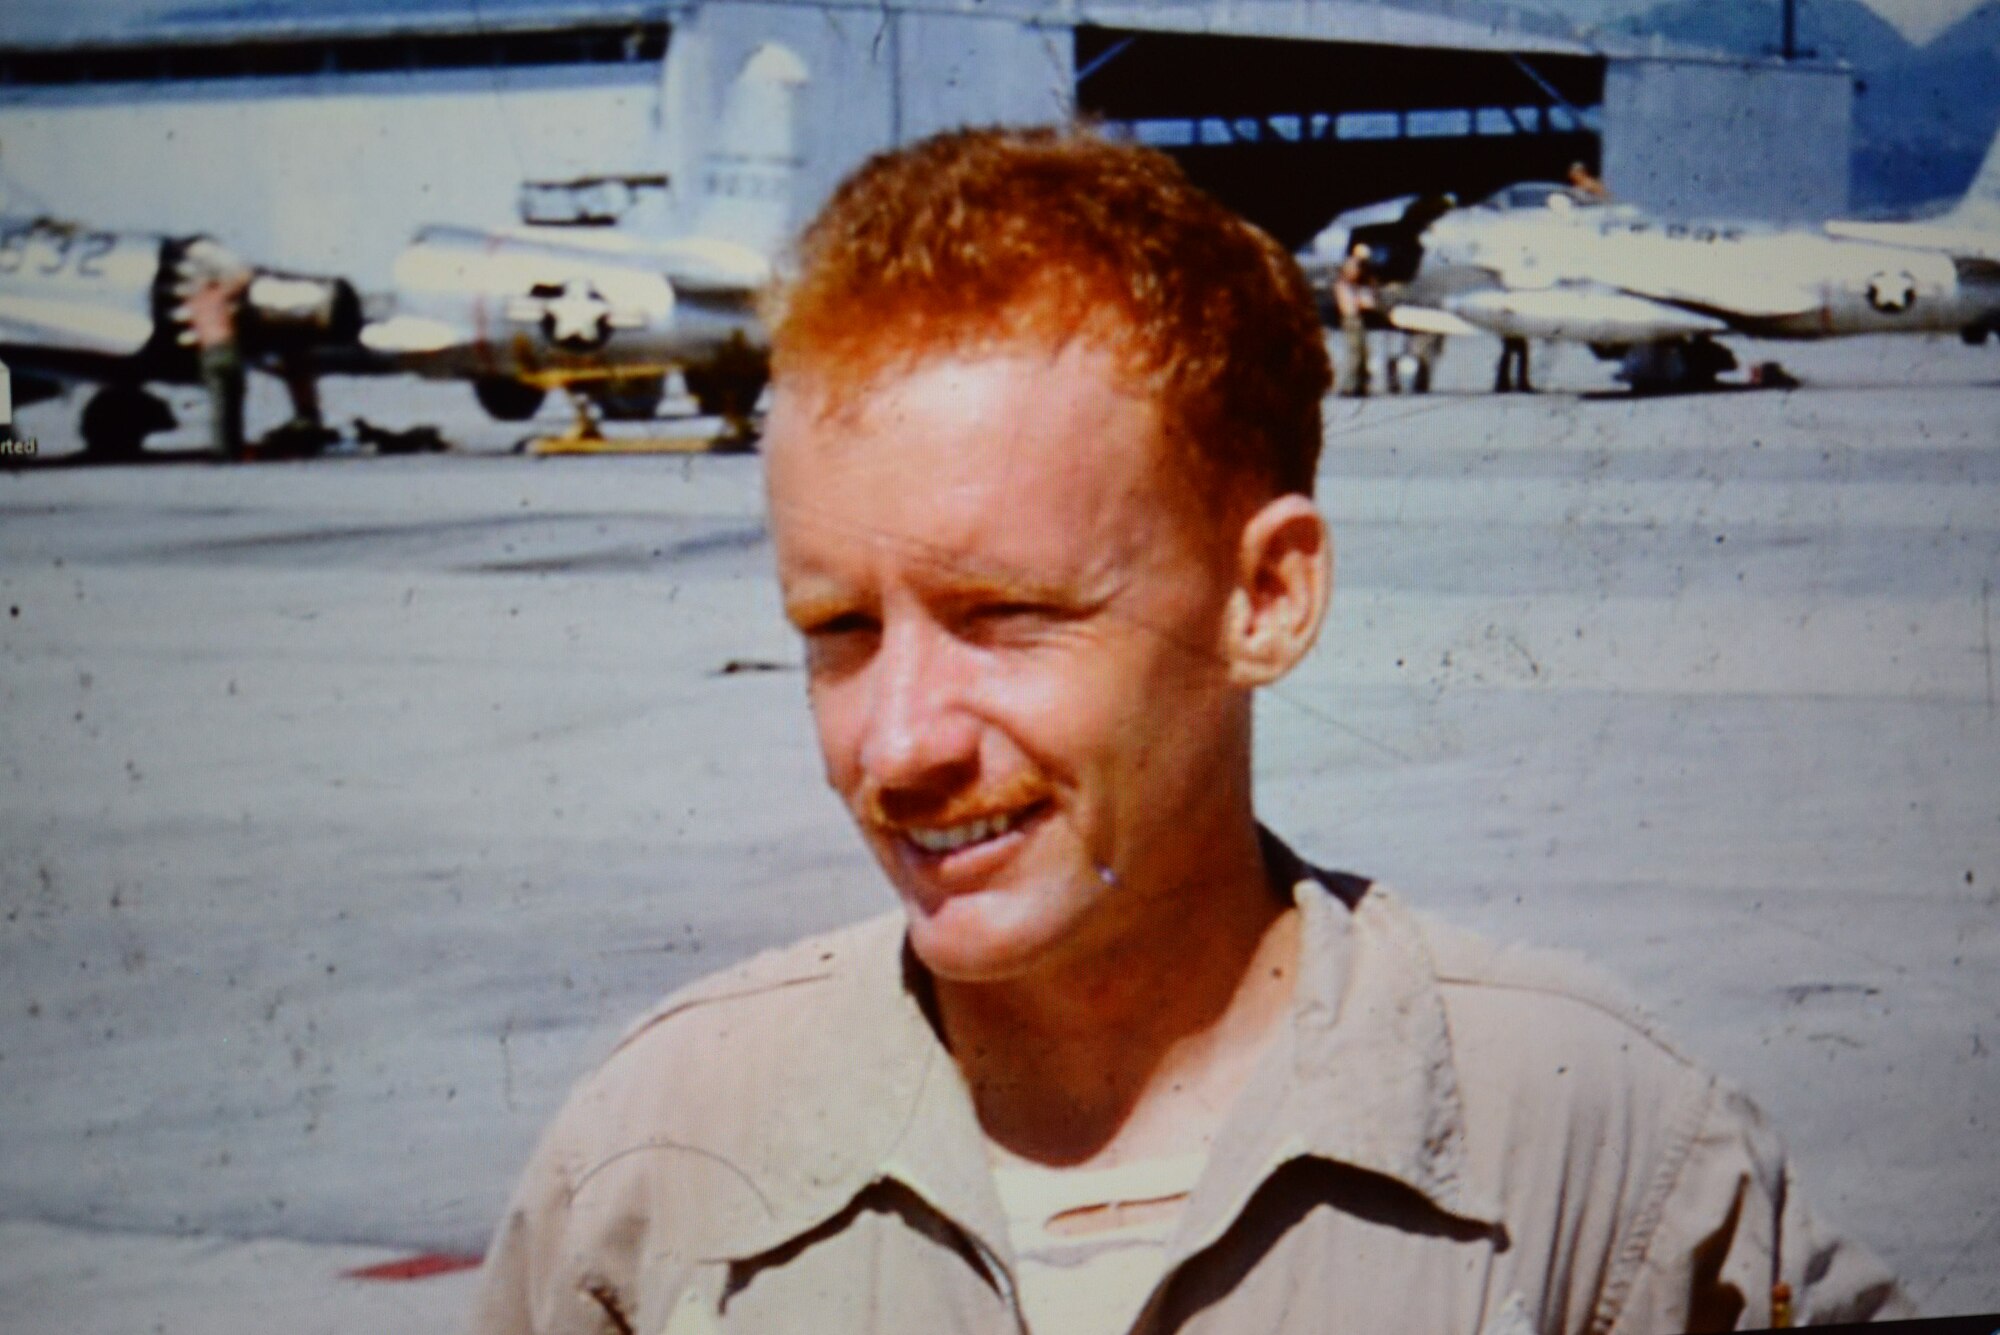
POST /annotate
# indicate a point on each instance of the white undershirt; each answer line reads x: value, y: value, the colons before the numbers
x: 1089, y: 1273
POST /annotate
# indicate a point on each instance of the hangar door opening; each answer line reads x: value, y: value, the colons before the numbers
x: 1293, y: 132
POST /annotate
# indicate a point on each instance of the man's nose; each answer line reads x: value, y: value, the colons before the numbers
x: 920, y: 737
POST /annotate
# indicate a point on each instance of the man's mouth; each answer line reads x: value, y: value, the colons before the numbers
x: 942, y: 840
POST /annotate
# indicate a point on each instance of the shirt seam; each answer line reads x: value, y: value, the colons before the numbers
x: 675, y: 1008
x: 1652, y: 1211
x: 1638, y: 1023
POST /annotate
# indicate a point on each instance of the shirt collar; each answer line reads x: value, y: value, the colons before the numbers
x: 1361, y: 1075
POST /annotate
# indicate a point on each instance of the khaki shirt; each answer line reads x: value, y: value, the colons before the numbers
x: 1444, y: 1137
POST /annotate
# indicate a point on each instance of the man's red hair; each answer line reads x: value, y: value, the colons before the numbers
x: 984, y: 238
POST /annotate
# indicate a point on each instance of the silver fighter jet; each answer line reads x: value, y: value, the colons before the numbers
x: 1545, y: 261
x: 606, y: 313
x: 86, y: 305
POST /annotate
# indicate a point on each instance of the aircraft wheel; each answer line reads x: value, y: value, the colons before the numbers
x: 631, y: 400
x: 1974, y: 335
x: 727, y: 395
x: 1404, y: 370
x: 1675, y: 367
x: 299, y: 438
x: 118, y: 419
x: 1653, y: 368
x: 508, y: 400
x: 1707, y: 359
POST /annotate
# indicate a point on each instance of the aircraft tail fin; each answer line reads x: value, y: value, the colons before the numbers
x: 1981, y: 204
x: 747, y: 175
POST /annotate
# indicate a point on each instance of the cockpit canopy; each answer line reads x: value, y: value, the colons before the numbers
x: 1551, y: 195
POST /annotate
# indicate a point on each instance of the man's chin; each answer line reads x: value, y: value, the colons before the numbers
x: 965, y: 941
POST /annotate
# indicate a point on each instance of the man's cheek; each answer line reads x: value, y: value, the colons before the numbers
x: 1063, y: 699
x: 837, y: 748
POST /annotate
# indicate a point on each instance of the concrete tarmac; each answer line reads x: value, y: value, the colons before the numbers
x: 349, y: 808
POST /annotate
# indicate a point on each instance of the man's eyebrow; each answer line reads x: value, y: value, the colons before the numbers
x: 810, y: 597
x: 813, y: 598
x: 998, y: 584
x: 949, y: 562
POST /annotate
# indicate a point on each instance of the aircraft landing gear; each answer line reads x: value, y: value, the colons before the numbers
x: 1675, y: 366
x: 299, y: 438
x: 729, y: 385
x: 586, y: 434
x: 631, y: 400
x: 306, y: 435
x: 508, y: 400
x: 1409, y: 374
x: 1409, y: 369
x: 719, y: 395
x: 586, y: 430
x: 118, y: 419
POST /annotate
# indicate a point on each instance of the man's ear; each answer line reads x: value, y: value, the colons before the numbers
x: 1284, y: 580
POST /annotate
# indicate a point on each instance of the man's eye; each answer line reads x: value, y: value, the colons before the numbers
x: 846, y: 623
x: 1016, y: 620
x: 1008, y: 611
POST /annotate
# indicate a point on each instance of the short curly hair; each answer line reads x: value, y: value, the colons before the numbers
x: 987, y: 237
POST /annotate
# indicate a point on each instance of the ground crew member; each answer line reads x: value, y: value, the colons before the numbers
x: 212, y: 305
x: 1354, y: 295
x: 1587, y: 183
x: 1511, y: 372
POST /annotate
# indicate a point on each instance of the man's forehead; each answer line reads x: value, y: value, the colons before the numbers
x: 843, y: 392
x: 1013, y: 416
x: 1002, y: 463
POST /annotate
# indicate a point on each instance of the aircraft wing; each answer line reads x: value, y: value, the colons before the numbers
x: 409, y: 335
x: 72, y: 326
x: 1430, y: 320
x: 1961, y: 243
x: 1580, y: 314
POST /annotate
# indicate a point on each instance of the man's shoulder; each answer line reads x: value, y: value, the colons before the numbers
x: 1486, y: 981
x: 1533, y: 1027
x: 786, y: 983
x: 728, y: 1110
x: 1572, y: 1100
x: 1543, y: 1038
x: 717, y: 1060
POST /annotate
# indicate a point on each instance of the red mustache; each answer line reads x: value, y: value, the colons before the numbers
x: 889, y: 809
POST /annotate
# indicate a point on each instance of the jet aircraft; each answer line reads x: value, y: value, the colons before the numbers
x: 605, y: 313
x: 87, y: 305
x: 562, y: 302
x: 1541, y: 260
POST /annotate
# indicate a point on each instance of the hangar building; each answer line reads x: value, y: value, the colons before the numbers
x: 322, y: 142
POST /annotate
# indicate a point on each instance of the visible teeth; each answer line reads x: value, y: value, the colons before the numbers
x: 953, y: 837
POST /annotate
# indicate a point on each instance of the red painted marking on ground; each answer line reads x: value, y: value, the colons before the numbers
x: 416, y: 1267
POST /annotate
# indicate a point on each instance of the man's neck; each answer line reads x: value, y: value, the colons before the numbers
x: 1139, y: 1050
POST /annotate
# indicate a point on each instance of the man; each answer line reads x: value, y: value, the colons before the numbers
x: 1587, y: 183
x: 1510, y: 373
x: 1354, y: 289
x: 212, y: 306
x: 1039, y: 473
